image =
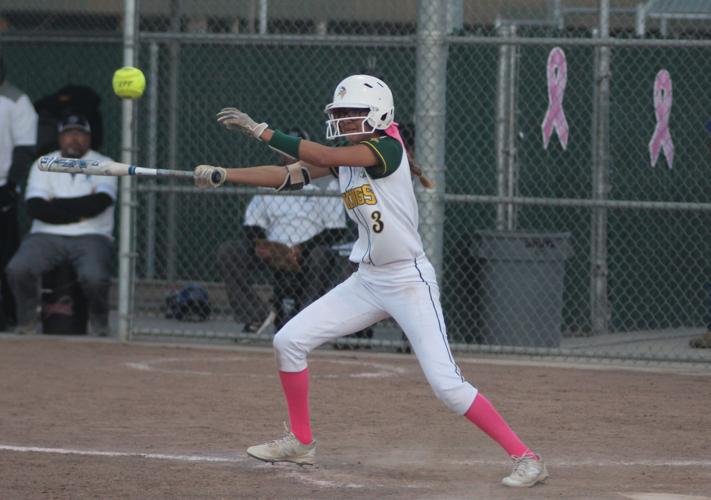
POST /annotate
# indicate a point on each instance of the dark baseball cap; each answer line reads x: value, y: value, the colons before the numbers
x: 74, y: 122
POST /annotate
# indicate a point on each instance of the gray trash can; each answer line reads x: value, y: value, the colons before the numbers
x: 521, y: 287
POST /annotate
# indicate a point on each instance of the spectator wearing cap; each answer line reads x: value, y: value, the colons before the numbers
x: 287, y: 240
x: 73, y: 222
x: 18, y: 135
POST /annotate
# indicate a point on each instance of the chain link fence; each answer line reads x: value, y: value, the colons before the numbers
x: 561, y: 223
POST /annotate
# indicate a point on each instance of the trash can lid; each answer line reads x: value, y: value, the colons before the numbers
x: 521, y: 245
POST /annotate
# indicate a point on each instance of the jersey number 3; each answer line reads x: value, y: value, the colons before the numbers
x: 378, y: 226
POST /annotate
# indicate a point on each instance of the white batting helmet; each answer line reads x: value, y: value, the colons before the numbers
x: 366, y: 92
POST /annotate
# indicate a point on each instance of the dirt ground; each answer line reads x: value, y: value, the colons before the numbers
x: 83, y: 418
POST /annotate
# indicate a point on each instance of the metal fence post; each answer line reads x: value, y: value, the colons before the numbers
x: 430, y: 111
x: 171, y: 223
x: 151, y: 159
x: 599, y: 306
x: 263, y: 16
x: 127, y: 155
x: 502, y: 130
x: 511, y: 148
x: 506, y: 110
x: 455, y: 16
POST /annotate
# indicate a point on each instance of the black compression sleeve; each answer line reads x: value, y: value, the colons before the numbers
x: 22, y: 157
x: 41, y: 209
x: 90, y: 205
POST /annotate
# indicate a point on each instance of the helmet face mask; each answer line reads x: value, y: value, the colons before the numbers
x: 364, y: 92
x: 343, y: 122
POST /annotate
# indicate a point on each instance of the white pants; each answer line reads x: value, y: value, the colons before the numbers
x: 409, y: 293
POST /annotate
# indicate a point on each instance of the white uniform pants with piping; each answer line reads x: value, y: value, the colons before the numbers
x: 406, y: 291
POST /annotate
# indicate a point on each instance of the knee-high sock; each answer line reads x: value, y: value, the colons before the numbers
x: 483, y: 414
x: 296, y: 391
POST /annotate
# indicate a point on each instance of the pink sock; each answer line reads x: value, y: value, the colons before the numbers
x: 296, y: 391
x: 483, y: 414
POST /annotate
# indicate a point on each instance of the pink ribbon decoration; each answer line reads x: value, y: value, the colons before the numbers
x: 557, y: 73
x: 661, y: 139
x: 394, y: 132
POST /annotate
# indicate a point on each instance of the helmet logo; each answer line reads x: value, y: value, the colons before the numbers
x: 342, y: 92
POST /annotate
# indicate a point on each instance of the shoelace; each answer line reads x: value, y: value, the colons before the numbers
x: 520, y: 463
x: 280, y: 442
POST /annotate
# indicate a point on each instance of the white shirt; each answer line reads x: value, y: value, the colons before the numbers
x: 18, y: 125
x: 291, y: 220
x: 50, y: 185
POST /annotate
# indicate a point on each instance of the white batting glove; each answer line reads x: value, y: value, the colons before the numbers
x: 234, y: 119
x: 207, y: 176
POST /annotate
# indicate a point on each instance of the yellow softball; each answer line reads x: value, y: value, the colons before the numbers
x: 129, y: 82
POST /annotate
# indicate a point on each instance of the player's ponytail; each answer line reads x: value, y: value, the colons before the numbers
x: 407, y: 139
x: 424, y: 180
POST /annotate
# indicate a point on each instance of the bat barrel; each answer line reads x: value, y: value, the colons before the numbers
x: 59, y: 164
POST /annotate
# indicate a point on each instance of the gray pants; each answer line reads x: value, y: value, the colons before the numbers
x: 89, y: 255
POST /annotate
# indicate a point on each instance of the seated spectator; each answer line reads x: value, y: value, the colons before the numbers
x: 73, y: 221
x: 287, y: 238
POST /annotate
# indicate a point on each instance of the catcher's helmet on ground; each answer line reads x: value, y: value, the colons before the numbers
x: 190, y: 303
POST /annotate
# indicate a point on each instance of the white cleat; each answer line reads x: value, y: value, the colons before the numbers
x: 526, y: 472
x: 285, y: 449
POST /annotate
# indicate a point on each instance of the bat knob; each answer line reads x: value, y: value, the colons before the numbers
x: 216, y: 177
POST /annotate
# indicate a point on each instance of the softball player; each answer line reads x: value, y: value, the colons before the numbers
x: 394, y: 278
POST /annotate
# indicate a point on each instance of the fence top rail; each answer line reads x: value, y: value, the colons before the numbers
x: 257, y: 39
x: 352, y: 40
x: 35, y: 37
x: 411, y: 40
x: 587, y: 42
